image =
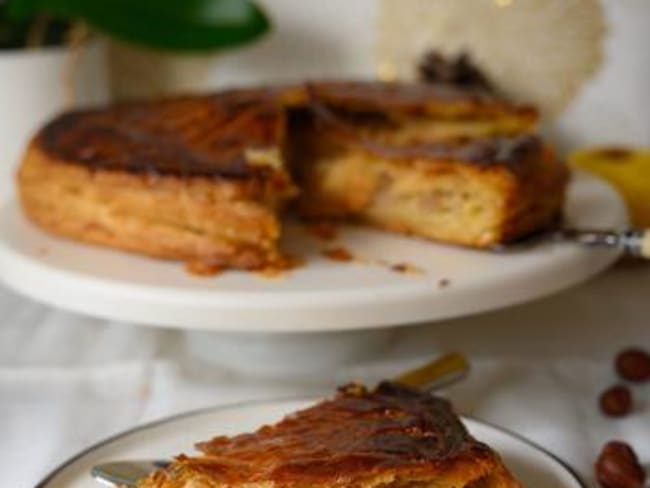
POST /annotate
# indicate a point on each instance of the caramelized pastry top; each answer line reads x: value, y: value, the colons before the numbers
x: 211, y: 135
x: 479, y: 151
x: 413, y: 99
x: 243, y: 133
x: 507, y: 150
x: 358, y: 433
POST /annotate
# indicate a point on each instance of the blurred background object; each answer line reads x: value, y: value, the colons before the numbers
x: 31, y: 31
x: 540, y: 51
x: 138, y: 72
x: 628, y: 170
x: 36, y: 79
x: 50, y: 60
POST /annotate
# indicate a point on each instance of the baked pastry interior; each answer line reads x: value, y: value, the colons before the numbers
x: 428, y: 161
x: 389, y: 437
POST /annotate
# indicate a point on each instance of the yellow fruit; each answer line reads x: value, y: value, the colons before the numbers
x: 628, y: 170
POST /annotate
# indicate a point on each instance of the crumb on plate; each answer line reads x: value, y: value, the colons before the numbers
x: 406, y: 268
x: 325, y: 230
x: 338, y: 254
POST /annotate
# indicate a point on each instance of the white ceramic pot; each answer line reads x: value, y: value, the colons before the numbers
x: 36, y: 84
x: 304, y: 356
x: 137, y: 73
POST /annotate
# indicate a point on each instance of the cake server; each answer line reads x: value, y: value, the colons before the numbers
x: 633, y: 242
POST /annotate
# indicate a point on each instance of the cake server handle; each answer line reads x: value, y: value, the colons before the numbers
x: 635, y: 242
x: 436, y: 374
x: 431, y: 376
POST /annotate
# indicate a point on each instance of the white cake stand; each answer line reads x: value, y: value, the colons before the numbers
x: 322, y: 297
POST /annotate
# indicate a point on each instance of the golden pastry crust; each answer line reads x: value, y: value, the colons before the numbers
x: 224, y: 223
x: 391, y: 437
x: 205, y: 179
x: 193, y: 179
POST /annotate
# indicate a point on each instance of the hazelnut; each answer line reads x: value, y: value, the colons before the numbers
x: 618, y: 467
x: 616, y: 401
x: 633, y: 364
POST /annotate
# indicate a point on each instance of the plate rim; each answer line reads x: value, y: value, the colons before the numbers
x: 49, y: 476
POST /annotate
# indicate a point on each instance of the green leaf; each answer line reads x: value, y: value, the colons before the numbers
x: 16, y: 34
x: 178, y: 25
x: 20, y: 10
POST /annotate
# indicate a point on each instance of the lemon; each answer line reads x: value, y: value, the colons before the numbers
x: 628, y: 170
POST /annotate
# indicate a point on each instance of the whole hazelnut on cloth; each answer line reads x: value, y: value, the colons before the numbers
x: 618, y: 467
x: 633, y: 364
x: 616, y: 401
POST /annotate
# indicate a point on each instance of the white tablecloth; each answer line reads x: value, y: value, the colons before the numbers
x: 67, y: 381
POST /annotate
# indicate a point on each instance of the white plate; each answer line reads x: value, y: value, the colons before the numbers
x: 533, y: 466
x: 323, y: 295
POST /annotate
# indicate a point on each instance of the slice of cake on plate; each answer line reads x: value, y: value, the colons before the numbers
x: 389, y: 437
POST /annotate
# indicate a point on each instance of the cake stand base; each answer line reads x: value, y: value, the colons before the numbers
x: 290, y: 355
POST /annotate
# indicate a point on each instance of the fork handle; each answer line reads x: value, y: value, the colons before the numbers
x: 634, y: 242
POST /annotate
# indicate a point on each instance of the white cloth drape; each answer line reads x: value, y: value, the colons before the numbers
x: 67, y: 381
